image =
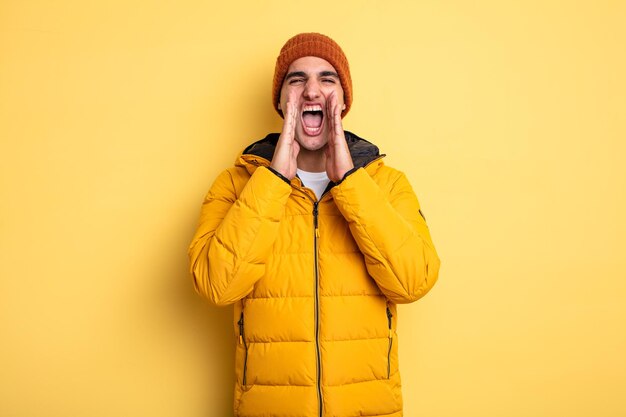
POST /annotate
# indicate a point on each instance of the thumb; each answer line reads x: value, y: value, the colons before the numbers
x: 295, y: 148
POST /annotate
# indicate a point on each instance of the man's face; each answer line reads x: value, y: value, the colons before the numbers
x: 308, y: 84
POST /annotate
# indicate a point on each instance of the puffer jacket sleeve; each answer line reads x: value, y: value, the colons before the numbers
x: 235, y: 234
x: 390, y: 232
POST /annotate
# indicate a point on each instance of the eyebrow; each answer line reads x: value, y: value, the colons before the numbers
x: 295, y: 74
x: 303, y: 74
x: 329, y: 74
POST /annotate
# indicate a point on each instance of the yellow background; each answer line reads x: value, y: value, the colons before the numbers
x: 509, y: 118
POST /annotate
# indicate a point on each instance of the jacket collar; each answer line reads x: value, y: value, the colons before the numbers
x: 260, y: 153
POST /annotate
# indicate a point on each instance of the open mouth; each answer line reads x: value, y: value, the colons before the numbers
x: 312, y: 118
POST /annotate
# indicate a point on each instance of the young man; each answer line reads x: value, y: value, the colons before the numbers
x: 314, y: 240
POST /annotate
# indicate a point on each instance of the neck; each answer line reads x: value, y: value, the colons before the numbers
x: 312, y: 161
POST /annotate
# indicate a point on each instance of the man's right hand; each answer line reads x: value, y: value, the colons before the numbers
x: 285, y: 156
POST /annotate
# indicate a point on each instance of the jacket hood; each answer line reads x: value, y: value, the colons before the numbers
x: 362, y: 151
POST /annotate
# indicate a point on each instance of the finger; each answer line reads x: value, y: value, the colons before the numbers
x: 294, y: 115
x: 332, y: 102
x: 288, y: 112
x: 333, y: 111
x: 295, y: 149
x: 331, y: 115
x: 287, y: 122
x: 337, y: 118
x: 292, y: 102
x: 289, y: 108
x: 290, y: 120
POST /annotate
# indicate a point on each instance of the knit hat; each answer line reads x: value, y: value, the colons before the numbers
x: 312, y: 44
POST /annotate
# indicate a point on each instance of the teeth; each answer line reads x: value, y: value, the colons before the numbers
x: 316, y: 107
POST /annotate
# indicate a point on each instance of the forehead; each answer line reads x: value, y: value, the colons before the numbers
x: 310, y: 65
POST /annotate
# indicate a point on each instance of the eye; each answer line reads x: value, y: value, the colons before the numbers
x: 295, y: 81
x: 328, y: 80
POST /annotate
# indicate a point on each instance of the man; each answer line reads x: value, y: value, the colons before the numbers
x: 314, y: 240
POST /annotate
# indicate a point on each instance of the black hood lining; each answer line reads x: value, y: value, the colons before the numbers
x: 362, y: 151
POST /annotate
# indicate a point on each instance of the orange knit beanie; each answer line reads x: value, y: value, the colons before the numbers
x: 312, y: 44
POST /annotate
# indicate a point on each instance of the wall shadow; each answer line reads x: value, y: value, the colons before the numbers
x: 212, y: 333
x: 209, y: 329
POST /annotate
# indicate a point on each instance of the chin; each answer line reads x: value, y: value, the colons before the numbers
x: 312, y: 143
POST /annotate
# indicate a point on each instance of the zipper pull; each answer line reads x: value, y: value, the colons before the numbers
x: 315, y: 213
x: 389, y: 316
x: 240, y: 323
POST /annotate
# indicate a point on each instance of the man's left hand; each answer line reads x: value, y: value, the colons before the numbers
x: 338, y: 159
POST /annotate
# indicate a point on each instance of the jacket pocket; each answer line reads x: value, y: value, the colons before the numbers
x: 389, y: 316
x: 242, y: 340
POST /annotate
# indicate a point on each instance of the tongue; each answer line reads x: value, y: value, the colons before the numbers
x: 313, y: 120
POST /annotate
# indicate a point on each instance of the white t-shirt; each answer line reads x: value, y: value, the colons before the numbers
x: 316, y: 181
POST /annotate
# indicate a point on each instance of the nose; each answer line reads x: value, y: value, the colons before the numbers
x: 311, y: 89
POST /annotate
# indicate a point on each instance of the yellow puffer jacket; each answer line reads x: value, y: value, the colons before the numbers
x: 314, y: 284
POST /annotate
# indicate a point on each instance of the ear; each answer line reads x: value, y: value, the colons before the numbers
x: 344, y: 107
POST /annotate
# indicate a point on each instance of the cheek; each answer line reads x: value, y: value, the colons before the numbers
x: 282, y: 98
x: 285, y: 90
x: 338, y: 93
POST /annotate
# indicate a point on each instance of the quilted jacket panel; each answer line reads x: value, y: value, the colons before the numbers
x: 314, y: 307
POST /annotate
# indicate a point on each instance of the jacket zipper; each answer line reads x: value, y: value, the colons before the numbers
x: 316, y: 235
x: 389, y: 316
x: 242, y: 340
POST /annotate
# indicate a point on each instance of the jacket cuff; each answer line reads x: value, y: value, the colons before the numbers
x: 347, y: 174
x: 279, y: 175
